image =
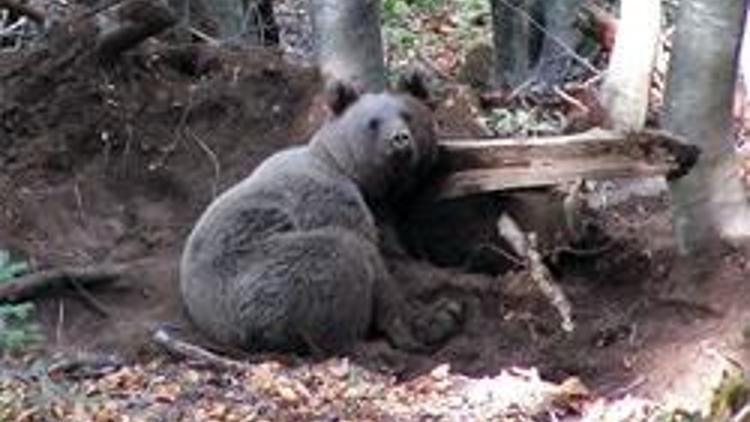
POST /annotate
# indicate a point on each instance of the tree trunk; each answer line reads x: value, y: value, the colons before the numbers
x: 711, y: 202
x: 560, y: 38
x: 264, y: 19
x: 348, y: 41
x: 250, y: 22
x: 625, y: 92
x: 227, y: 15
x: 510, y: 36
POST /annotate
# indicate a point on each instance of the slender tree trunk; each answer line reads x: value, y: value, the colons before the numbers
x: 227, y: 15
x: 560, y: 17
x: 711, y: 202
x: 625, y: 93
x: 241, y: 21
x: 511, y: 39
x: 348, y: 41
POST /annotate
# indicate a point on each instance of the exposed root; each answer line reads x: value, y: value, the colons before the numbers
x: 542, y: 276
x: 526, y: 245
x: 573, y: 205
x: 212, y: 156
x: 84, y: 365
x: 90, y: 300
x: 32, y: 285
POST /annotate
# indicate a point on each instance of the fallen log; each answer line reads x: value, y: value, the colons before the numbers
x: 472, y: 166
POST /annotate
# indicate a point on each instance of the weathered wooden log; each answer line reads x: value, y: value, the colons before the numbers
x: 471, y: 166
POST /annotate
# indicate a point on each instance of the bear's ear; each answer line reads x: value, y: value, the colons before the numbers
x: 340, y: 95
x: 414, y: 82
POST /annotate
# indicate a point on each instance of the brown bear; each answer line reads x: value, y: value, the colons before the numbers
x: 289, y: 259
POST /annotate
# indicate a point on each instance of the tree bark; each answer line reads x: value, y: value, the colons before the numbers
x: 242, y: 21
x: 710, y: 203
x: 560, y: 18
x: 511, y: 39
x: 470, y: 166
x: 348, y: 41
x: 625, y: 92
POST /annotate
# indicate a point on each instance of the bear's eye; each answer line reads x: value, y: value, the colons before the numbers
x: 406, y: 116
x: 374, y: 124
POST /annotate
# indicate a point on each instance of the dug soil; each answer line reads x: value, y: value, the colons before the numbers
x: 113, y: 163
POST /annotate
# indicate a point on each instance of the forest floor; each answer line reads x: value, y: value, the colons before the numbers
x: 113, y: 164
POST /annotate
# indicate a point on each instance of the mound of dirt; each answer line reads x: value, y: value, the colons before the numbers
x: 114, y: 163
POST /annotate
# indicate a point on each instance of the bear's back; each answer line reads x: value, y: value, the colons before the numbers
x: 290, y: 191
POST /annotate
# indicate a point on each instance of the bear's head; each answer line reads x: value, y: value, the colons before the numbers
x: 384, y: 142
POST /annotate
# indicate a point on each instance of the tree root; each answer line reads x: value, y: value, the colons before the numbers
x: 32, y: 285
x: 83, y: 366
x: 526, y: 246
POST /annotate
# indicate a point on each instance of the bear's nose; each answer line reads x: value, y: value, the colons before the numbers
x: 401, y: 140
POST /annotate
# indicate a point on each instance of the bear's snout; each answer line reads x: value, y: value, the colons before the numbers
x: 401, y: 140
x: 401, y: 149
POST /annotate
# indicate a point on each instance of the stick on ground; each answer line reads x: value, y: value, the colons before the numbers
x: 196, y: 353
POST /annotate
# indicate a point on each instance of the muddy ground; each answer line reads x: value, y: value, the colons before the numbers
x: 114, y: 162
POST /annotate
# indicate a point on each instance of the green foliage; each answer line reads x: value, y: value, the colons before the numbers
x: 396, y: 15
x: 420, y: 30
x: 678, y: 416
x: 468, y: 12
x: 732, y: 393
x: 8, y: 268
x: 727, y: 400
x: 520, y: 121
x: 402, y: 37
x: 394, y: 9
x: 16, y: 327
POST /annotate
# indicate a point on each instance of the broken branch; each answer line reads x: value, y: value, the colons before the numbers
x: 190, y: 351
